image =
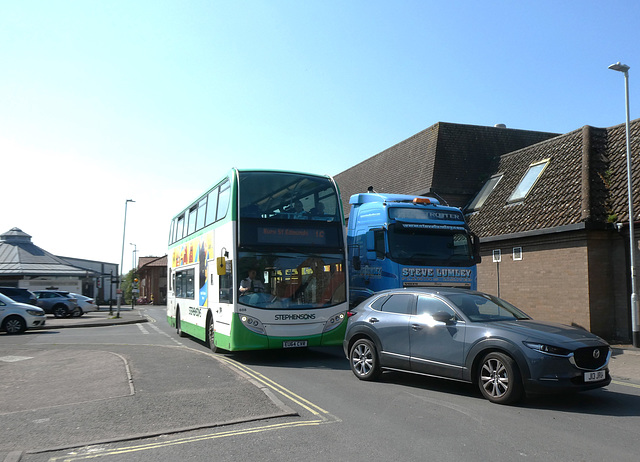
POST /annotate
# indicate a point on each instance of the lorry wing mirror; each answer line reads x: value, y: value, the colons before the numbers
x: 371, y: 245
x: 356, y: 262
x: 475, y: 243
x: 371, y: 242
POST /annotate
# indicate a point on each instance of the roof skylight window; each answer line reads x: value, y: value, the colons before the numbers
x: 482, y: 196
x: 528, y: 180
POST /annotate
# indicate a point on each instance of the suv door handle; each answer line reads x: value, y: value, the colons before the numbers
x: 373, y: 320
x: 416, y: 326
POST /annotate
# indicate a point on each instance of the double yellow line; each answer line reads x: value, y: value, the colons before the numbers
x: 188, y: 440
x: 267, y: 382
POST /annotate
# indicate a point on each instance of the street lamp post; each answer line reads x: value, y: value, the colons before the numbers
x: 133, y: 256
x: 134, y: 279
x: 124, y: 230
x: 635, y: 326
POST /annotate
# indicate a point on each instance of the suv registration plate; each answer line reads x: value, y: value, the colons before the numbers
x: 294, y: 344
x: 594, y: 376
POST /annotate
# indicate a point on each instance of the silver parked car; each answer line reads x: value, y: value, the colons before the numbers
x: 60, y: 303
x: 473, y: 337
x: 16, y: 317
x: 85, y: 304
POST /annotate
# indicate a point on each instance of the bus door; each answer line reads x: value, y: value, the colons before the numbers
x: 221, y: 293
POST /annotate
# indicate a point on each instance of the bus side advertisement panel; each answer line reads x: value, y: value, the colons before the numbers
x: 198, y: 252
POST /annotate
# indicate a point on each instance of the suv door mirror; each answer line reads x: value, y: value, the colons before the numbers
x: 443, y: 316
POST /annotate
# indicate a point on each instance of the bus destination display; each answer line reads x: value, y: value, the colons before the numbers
x: 291, y: 235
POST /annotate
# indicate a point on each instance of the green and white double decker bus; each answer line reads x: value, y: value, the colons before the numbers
x: 259, y: 262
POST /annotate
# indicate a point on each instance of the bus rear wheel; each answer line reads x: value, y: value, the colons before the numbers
x: 211, y: 336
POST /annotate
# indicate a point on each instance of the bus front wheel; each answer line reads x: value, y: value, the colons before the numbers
x: 178, y: 325
x: 211, y: 335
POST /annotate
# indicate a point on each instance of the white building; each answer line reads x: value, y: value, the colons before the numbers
x: 23, y: 264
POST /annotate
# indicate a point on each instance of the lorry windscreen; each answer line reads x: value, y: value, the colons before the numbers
x: 449, y: 246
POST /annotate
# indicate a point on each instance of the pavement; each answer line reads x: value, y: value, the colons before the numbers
x: 88, y: 392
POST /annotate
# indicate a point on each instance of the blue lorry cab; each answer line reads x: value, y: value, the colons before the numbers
x: 397, y: 240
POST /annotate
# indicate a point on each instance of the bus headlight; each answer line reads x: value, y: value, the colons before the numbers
x: 252, y: 324
x: 333, y: 322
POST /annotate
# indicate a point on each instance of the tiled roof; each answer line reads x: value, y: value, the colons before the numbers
x: 152, y: 261
x: 452, y: 160
x: 584, y: 182
x: 616, y: 150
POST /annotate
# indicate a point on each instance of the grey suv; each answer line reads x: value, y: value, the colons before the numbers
x: 472, y: 337
x: 57, y: 302
x: 19, y: 295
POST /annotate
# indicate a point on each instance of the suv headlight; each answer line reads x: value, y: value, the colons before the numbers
x: 548, y: 349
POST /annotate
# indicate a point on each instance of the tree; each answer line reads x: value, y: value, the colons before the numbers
x: 127, y: 286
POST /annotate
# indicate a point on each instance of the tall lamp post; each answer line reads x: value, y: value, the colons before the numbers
x: 124, y: 231
x: 635, y: 327
x: 133, y: 256
x: 134, y: 282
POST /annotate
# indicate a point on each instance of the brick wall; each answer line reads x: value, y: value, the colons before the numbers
x: 607, y: 284
x: 576, y: 278
x: 549, y: 283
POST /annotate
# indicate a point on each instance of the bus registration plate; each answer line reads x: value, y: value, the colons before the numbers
x: 294, y: 344
x: 595, y: 376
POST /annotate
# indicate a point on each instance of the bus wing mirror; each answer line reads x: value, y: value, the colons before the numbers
x: 221, y: 265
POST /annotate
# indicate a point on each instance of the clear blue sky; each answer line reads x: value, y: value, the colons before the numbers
x: 154, y: 100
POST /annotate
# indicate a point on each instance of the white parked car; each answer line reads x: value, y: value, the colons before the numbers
x: 16, y: 317
x: 85, y: 304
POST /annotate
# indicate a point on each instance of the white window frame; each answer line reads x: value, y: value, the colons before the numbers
x: 528, y: 181
x: 485, y: 192
x: 517, y: 253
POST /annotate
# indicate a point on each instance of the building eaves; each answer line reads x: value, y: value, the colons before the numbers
x: 37, y: 269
